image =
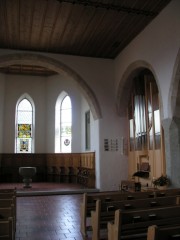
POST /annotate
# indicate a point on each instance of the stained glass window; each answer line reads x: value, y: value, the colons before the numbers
x: 24, y: 120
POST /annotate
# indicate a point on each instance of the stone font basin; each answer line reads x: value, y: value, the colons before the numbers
x: 27, y: 173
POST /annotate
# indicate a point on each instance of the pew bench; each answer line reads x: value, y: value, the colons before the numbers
x: 163, y: 233
x: 89, y: 202
x: 8, y: 212
x: 8, y: 190
x: 141, y: 203
x: 10, y: 202
x: 6, y: 229
x: 8, y: 195
x: 129, y: 218
x: 130, y: 224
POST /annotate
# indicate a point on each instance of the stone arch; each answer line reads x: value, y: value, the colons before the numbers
x: 124, y: 88
x: 174, y: 93
x: 59, y: 67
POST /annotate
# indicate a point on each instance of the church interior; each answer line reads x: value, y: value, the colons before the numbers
x: 89, y: 103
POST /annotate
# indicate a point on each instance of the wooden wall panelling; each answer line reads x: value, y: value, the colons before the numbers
x: 86, y: 175
x: 8, y: 167
x: 88, y: 160
x: 40, y: 162
x: 82, y: 161
x: 10, y: 164
x: 56, y: 162
x: 65, y: 168
x: 49, y: 168
x: 16, y: 162
x: 92, y: 160
x: 76, y: 163
x: 47, y: 160
x: 62, y: 160
x: 70, y: 169
x: 76, y: 160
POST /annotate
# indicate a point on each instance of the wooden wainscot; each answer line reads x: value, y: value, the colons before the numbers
x: 51, y: 167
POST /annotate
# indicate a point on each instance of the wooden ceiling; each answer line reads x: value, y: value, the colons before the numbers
x: 92, y: 28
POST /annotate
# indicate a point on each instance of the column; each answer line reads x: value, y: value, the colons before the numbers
x: 172, y: 149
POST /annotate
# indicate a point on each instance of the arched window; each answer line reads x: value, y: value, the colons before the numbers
x: 24, y: 126
x: 63, y: 135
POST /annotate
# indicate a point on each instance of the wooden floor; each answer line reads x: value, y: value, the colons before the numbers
x: 52, y: 216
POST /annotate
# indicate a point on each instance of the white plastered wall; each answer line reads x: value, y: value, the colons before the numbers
x: 44, y: 91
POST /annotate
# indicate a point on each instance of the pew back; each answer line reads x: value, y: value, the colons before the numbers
x: 10, y: 202
x: 89, y: 200
x: 132, y: 221
x: 128, y: 223
x: 6, y: 229
x: 140, y: 203
x: 163, y: 233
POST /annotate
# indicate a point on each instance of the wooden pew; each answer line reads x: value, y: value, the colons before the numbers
x: 163, y: 233
x: 6, y: 229
x: 100, y: 219
x: 131, y: 224
x: 8, y: 190
x: 168, y: 192
x: 8, y: 198
x: 11, y: 191
x: 89, y: 200
x: 10, y: 202
x: 8, y: 194
x: 89, y: 203
x: 8, y: 212
x: 142, y: 203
